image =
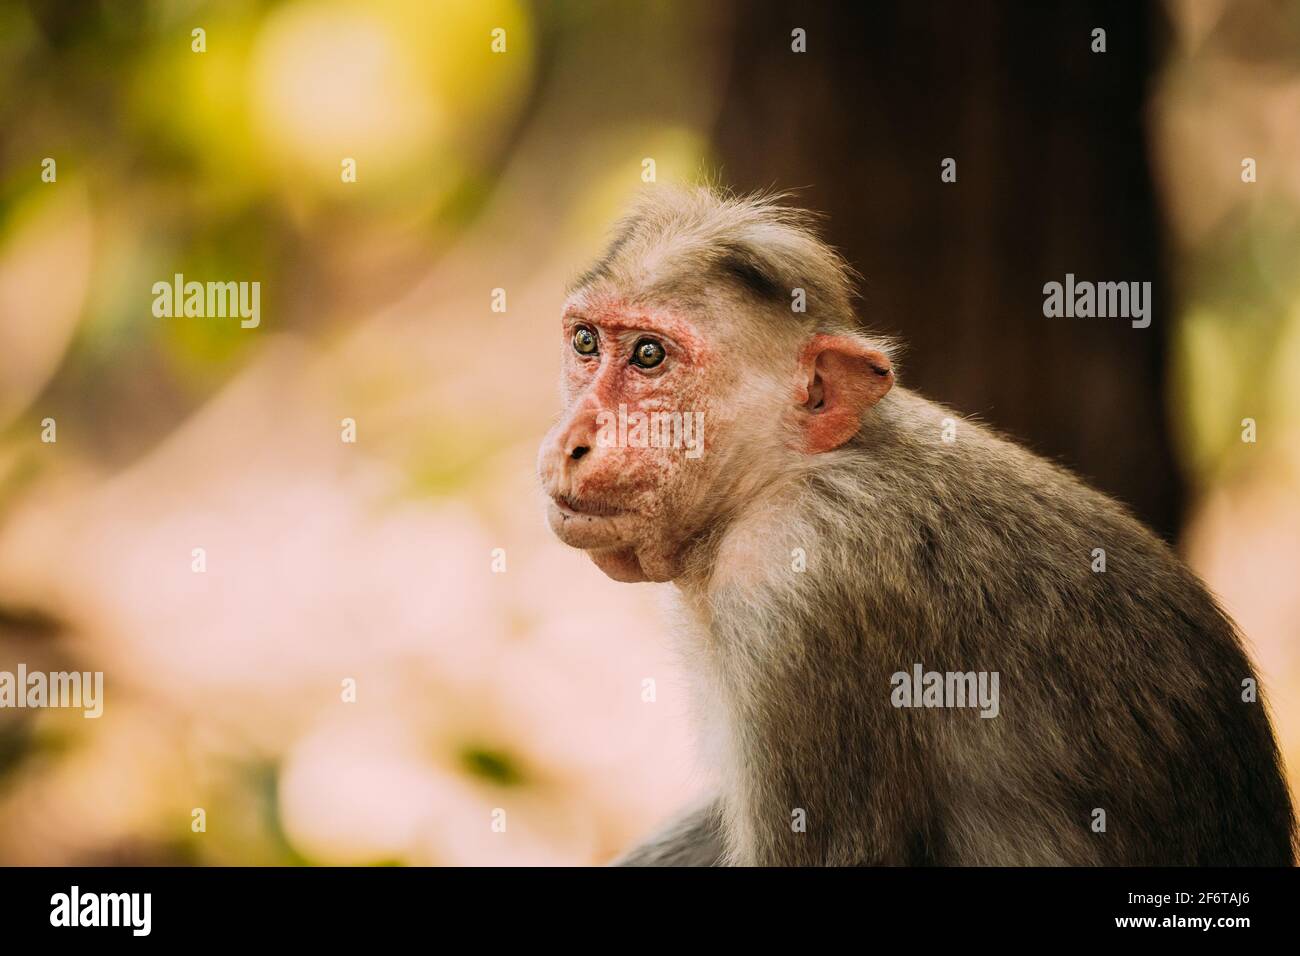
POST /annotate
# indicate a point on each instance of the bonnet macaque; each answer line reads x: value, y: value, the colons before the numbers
x: 902, y: 645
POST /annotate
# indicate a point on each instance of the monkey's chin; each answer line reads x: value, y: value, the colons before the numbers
x: 620, y: 564
x: 605, y: 539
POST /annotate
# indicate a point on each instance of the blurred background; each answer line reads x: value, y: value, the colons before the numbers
x: 521, y: 679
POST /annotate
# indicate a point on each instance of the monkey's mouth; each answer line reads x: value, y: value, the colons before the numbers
x: 586, y: 507
x: 583, y: 523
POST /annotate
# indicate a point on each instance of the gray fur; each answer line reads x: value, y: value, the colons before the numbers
x: 679, y: 245
x: 692, y: 839
x: 1120, y: 690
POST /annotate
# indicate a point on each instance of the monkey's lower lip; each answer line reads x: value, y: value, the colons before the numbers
x: 583, y: 529
x: 585, y: 507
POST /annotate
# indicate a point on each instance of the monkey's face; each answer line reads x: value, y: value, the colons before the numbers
x: 675, y: 422
x: 636, y: 468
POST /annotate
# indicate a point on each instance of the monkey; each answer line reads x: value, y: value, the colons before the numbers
x: 841, y: 537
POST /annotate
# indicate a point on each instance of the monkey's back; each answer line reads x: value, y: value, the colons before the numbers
x: 1122, y: 690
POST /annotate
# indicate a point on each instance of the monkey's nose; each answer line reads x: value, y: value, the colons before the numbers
x: 579, y: 451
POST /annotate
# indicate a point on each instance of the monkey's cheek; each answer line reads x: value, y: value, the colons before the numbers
x: 583, y: 531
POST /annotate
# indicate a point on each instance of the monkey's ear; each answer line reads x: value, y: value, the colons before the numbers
x: 840, y: 378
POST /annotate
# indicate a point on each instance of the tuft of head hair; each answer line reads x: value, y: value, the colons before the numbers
x: 677, y: 241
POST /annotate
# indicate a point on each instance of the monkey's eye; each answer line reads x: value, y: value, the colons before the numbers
x: 648, y: 353
x: 584, y: 341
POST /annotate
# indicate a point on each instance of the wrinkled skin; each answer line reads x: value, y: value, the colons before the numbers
x: 767, y: 402
x: 636, y: 509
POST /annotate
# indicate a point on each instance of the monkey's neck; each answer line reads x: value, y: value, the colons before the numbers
x: 792, y: 663
x: 788, y: 684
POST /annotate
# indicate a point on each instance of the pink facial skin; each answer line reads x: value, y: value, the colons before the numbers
x: 636, y: 510
x: 629, y: 507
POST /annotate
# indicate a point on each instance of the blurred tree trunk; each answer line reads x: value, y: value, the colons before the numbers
x: 1052, y: 177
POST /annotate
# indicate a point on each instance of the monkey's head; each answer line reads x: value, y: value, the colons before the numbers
x: 711, y: 352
